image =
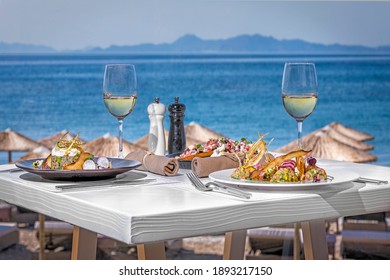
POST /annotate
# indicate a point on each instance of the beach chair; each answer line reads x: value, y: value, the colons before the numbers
x: 366, y: 237
x: 55, y: 239
x: 271, y: 242
x: 9, y: 235
x: 277, y: 242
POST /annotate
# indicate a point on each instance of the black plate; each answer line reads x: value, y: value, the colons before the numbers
x: 118, y: 166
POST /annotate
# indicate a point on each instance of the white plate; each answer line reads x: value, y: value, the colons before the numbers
x: 340, y: 176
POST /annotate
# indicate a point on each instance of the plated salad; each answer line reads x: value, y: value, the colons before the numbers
x: 216, y: 147
x: 296, y: 166
x: 69, y: 155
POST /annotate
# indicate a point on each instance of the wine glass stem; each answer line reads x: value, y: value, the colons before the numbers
x: 300, y: 134
x: 120, y: 128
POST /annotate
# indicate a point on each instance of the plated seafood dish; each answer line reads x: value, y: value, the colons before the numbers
x: 296, y: 166
x: 69, y: 155
x: 216, y: 147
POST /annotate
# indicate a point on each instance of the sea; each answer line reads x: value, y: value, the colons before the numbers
x: 237, y: 95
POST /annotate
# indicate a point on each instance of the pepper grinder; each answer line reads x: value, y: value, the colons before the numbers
x: 156, y: 140
x: 176, y: 138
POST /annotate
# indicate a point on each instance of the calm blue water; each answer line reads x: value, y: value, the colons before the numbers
x: 236, y: 95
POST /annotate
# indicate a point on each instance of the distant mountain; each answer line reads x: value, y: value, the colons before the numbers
x: 193, y: 44
x: 243, y: 44
x: 24, y: 48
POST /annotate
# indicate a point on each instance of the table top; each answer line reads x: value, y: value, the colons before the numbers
x: 154, y: 208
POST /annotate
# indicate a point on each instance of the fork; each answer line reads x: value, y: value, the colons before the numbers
x: 216, y: 186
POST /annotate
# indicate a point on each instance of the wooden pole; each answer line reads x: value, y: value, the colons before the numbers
x: 297, y: 242
x: 234, y: 248
x: 84, y: 244
x: 151, y: 251
x: 314, y: 240
x: 41, y: 219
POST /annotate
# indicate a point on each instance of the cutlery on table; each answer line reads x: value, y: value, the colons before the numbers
x: 364, y: 180
x: 12, y: 170
x: 369, y: 180
x: 214, y: 186
x: 103, y: 184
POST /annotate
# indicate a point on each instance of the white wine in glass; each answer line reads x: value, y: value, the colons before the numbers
x: 299, y: 92
x: 120, y: 94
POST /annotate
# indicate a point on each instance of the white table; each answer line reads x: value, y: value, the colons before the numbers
x: 170, y: 208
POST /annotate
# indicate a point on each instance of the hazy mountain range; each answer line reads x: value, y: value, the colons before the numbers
x: 193, y: 44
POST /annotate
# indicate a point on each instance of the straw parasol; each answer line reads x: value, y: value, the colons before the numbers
x: 195, y: 134
x: 350, y: 132
x: 51, y: 141
x: 326, y: 147
x: 143, y: 141
x: 330, y: 143
x: 107, y: 146
x: 40, y: 152
x: 337, y: 135
x: 307, y: 141
x: 12, y: 141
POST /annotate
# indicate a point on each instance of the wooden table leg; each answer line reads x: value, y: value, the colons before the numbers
x: 297, y: 242
x: 314, y: 240
x: 234, y: 248
x: 41, y: 235
x: 151, y: 251
x: 84, y: 244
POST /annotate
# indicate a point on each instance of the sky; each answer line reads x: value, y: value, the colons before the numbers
x: 78, y: 24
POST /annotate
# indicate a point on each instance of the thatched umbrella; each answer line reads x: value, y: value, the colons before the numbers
x: 12, y: 141
x: 337, y: 135
x: 350, y: 132
x: 327, y: 147
x: 107, y: 146
x: 51, y: 141
x: 40, y: 152
x: 307, y: 141
x: 329, y: 143
x: 143, y: 141
x: 197, y: 133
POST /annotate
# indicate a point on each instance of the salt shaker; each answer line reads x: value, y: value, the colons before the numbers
x: 176, y: 138
x: 156, y: 140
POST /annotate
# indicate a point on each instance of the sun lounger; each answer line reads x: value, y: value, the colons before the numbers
x: 9, y: 235
x: 366, y: 237
x: 279, y: 240
x: 55, y: 228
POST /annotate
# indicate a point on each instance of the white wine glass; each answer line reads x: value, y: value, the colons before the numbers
x: 120, y: 94
x: 299, y: 92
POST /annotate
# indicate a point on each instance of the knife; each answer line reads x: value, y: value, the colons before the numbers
x: 368, y: 180
x: 114, y: 184
x: 11, y: 170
